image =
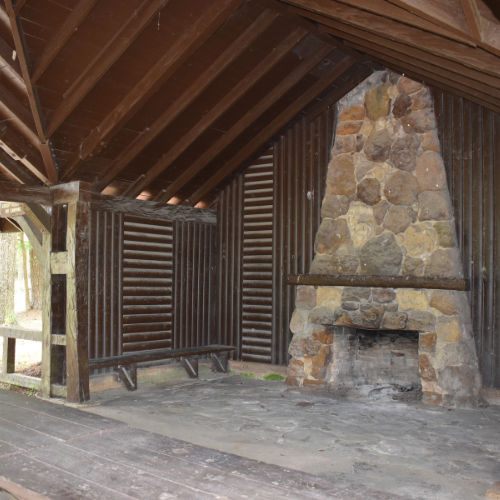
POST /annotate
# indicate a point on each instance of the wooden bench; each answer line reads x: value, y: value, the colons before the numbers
x: 188, y: 355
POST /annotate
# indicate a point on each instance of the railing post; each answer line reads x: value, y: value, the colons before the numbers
x: 9, y: 355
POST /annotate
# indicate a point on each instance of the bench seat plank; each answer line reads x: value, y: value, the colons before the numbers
x: 156, y: 355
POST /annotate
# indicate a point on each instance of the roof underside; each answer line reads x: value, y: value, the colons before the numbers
x: 166, y: 99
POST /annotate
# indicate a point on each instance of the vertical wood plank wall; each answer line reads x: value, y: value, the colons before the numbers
x: 470, y: 141
x: 140, y: 272
x: 300, y: 163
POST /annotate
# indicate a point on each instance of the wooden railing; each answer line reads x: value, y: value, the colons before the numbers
x: 8, y: 375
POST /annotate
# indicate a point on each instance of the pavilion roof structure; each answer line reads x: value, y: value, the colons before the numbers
x: 166, y: 99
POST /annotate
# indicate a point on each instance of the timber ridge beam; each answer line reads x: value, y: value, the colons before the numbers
x: 434, y: 283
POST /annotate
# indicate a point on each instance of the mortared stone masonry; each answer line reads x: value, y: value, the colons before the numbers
x: 386, y: 211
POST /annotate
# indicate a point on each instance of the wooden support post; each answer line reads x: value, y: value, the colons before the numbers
x: 46, y: 316
x: 9, y: 355
x: 77, y: 196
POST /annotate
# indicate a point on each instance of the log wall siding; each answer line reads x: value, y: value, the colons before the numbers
x: 105, y: 287
x: 470, y: 141
x: 194, y: 289
x: 141, y: 270
x: 299, y: 166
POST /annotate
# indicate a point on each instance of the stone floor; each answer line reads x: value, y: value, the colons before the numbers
x: 363, y: 438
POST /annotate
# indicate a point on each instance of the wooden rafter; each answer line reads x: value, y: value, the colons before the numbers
x: 25, y: 63
x: 232, y: 97
x: 172, y: 59
x: 18, y: 115
x: 244, y: 122
x: 63, y: 34
x: 16, y: 170
x: 460, y: 84
x: 450, y: 18
x: 188, y: 96
x: 268, y: 132
x: 19, y: 5
x: 384, y: 9
x: 351, y: 34
x: 470, y: 57
x: 10, y: 142
x: 6, y: 58
x: 109, y: 54
x: 473, y: 18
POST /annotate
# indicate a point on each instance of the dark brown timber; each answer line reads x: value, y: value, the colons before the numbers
x: 62, y: 35
x: 200, y: 30
x: 188, y: 96
x: 103, y: 61
x: 25, y: 194
x: 460, y: 284
x: 277, y: 124
x: 255, y: 75
x: 25, y: 62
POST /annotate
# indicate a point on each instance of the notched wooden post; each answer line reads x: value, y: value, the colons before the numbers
x: 77, y: 196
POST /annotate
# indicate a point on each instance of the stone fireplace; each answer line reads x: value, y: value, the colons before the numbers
x: 386, y: 212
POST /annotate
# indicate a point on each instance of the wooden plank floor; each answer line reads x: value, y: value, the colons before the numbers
x: 63, y: 453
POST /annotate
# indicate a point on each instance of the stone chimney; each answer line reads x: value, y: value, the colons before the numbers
x: 386, y: 212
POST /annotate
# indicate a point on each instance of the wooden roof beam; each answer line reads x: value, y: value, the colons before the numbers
x: 200, y: 30
x: 245, y: 121
x: 25, y: 62
x: 186, y: 98
x: 14, y: 146
x: 265, y: 135
x: 109, y: 54
x: 62, y: 35
x: 16, y: 113
x: 16, y: 170
x: 6, y: 57
x: 285, y: 11
x: 473, y: 18
x: 19, y: 193
x: 19, y: 5
x: 238, y: 91
x: 470, y: 57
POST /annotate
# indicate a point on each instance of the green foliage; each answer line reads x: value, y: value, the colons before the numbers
x: 10, y: 318
x: 249, y: 375
x: 274, y: 376
x: 32, y: 391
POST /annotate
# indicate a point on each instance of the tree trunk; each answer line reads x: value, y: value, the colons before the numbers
x: 7, y: 273
x: 36, y: 282
x: 25, y: 272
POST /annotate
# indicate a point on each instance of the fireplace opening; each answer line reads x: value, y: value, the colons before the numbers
x: 384, y: 357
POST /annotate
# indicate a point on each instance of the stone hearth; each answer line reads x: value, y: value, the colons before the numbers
x: 386, y: 212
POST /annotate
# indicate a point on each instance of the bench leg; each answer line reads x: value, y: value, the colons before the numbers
x: 128, y: 378
x: 191, y: 366
x: 220, y: 362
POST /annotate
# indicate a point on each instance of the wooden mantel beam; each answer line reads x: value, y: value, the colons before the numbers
x: 186, y: 98
x: 200, y: 30
x: 430, y: 282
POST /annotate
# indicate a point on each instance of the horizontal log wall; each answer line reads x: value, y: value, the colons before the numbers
x: 470, y: 142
